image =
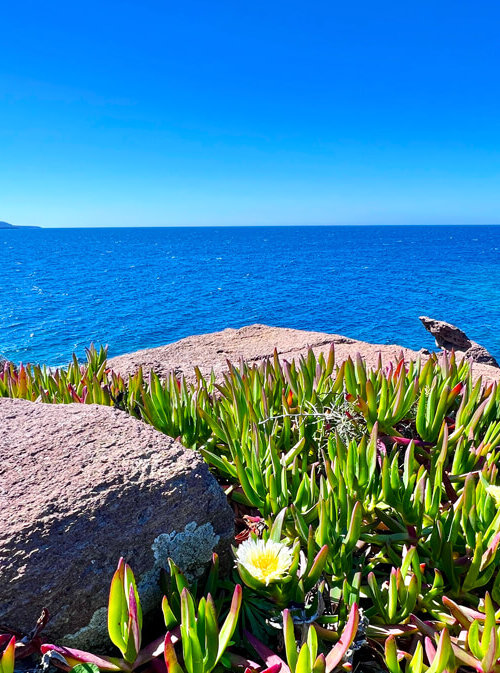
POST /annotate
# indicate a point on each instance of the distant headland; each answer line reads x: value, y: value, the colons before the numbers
x: 6, y: 225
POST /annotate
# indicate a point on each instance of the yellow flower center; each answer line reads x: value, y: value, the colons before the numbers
x: 267, y: 562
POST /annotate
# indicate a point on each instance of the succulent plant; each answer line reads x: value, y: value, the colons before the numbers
x: 375, y: 487
x: 7, y: 656
x: 203, y: 644
x: 306, y: 659
x: 124, y: 628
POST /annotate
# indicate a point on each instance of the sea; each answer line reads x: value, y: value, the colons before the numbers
x: 134, y: 288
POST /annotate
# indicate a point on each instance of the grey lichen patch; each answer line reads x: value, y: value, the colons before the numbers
x: 94, y: 636
x: 190, y: 549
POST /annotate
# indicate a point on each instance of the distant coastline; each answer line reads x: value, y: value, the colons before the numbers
x: 6, y: 225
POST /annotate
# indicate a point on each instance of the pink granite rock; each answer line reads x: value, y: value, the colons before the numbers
x: 80, y: 486
x: 253, y: 343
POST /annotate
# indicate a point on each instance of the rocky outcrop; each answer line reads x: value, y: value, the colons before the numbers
x: 449, y: 337
x: 82, y: 485
x: 253, y: 344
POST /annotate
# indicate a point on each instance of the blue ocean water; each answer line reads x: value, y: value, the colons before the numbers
x: 61, y: 289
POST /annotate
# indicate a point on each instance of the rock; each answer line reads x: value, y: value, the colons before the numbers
x: 478, y: 353
x: 253, y: 343
x: 449, y: 338
x: 82, y: 485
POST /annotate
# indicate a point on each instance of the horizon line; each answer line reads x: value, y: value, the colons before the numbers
x: 250, y: 226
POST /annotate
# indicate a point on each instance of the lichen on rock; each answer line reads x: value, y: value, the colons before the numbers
x: 190, y: 549
x: 94, y: 636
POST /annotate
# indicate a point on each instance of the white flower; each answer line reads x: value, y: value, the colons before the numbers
x: 494, y: 491
x: 265, y: 560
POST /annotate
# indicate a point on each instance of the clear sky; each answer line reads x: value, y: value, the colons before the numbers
x: 236, y: 113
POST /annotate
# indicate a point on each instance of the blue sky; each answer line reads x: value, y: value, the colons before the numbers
x: 231, y: 113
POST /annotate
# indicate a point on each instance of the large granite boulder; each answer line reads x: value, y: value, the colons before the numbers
x: 253, y: 344
x: 82, y: 485
x: 449, y: 337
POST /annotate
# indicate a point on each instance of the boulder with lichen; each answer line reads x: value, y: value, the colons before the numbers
x: 82, y: 485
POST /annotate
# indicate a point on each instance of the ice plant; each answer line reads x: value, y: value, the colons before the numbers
x: 7, y: 657
x: 124, y: 628
x: 266, y: 561
x: 124, y: 613
x: 307, y: 659
x: 374, y: 485
x: 203, y: 644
